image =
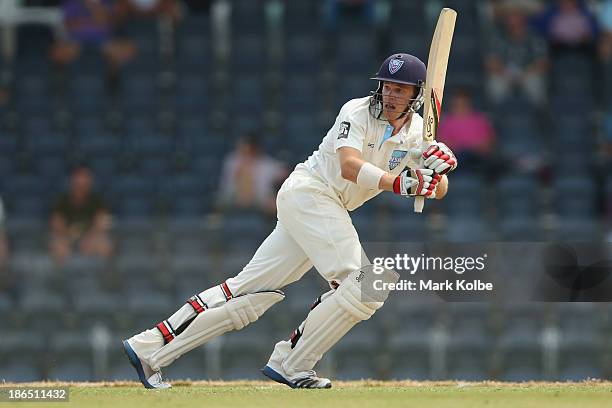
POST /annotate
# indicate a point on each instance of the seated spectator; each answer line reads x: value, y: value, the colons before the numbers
x: 90, y: 23
x: 516, y: 59
x: 80, y: 221
x: 467, y: 132
x: 606, y: 23
x: 250, y: 178
x: 569, y: 27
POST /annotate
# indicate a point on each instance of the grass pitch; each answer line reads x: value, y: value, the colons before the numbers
x: 362, y: 394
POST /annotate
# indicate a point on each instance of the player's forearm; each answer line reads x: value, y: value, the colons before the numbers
x: 350, y: 167
x: 386, y: 182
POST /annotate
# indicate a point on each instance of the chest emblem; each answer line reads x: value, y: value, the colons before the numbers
x: 396, y: 158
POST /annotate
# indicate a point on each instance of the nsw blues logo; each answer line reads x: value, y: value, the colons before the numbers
x: 395, y: 65
x: 396, y: 158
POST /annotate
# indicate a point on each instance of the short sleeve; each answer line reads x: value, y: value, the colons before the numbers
x: 349, y: 130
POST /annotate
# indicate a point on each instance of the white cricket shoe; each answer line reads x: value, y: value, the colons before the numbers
x: 274, y: 370
x: 147, y: 376
x: 307, y: 379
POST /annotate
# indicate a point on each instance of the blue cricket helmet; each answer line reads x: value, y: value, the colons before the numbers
x: 402, y: 69
x: 399, y: 68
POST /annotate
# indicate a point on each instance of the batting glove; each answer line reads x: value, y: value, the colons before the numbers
x: 439, y: 158
x: 419, y: 182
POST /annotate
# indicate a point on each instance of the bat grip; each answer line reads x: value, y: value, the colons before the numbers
x: 419, y: 202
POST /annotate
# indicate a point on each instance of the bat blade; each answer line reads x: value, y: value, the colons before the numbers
x: 437, y: 63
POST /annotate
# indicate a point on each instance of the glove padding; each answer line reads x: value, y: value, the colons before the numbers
x: 419, y: 182
x: 440, y: 158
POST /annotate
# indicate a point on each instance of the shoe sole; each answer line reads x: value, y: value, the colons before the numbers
x: 135, y: 361
x: 275, y: 376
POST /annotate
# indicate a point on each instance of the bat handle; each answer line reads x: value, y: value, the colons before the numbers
x: 419, y: 202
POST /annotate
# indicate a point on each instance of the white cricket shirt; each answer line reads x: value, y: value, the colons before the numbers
x: 355, y: 127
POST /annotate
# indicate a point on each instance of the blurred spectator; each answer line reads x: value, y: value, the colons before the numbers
x: 80, y: 220
x: 91, y: 23
x: 250, y: 178
x: 605, y: 18
x: 469, y: 133
x: 569, y: 27
x: 516, y: 58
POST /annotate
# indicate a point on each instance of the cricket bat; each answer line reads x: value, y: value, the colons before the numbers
x: 437, y: 62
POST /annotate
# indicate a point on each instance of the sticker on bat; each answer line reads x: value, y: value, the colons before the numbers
x: 343, y: 133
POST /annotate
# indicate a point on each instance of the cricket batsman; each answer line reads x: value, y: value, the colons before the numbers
x: 367, y: 151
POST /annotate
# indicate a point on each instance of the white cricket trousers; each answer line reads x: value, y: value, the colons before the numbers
x: 313, y: 228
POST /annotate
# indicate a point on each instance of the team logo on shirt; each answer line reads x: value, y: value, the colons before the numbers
x: 396, y: 158
x: 345, y: 127
x: 395, y: 65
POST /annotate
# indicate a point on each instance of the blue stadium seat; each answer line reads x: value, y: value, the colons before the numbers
x: 135, y: 207
x: 242, y: 357
x: 410, y: 228
x: 193, y: 273
x: 84, y: 274
x: 26, y: 235
x: 33, y: 268
x: 140, y: 93
x: 246, y: 230
x: 105, y: 168
x: 147, y: 308
x: 517, y: 195
x: 89, y: 124
x: 520, y: 342
x: 6, y: 304
x: 468, y: 229
x: 133, y: 186
x: 471, y: 341
x: 307, y: 60
x: 33, y: 300
x: 192, y: 367
x: 411, y: 354
x: 301, y: 17
x: 571, y: 203
x: 96, y: 143
x: 352, y: 87
x: 356, y: 354
x: 356, y: 54
x: 519, y: 228
x: 21, y: 352
x: 72, y: 357
x: 253, y: 54
x: 95, y: 308
x: 54, y: 168
x: 87, y: 94
x: 194, y: 48
x: 579, y: 228
x: 33, y: 93
x: 192, y: 94
x: 248, y: 16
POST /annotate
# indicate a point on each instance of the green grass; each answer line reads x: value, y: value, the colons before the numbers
x: 360, y: 394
